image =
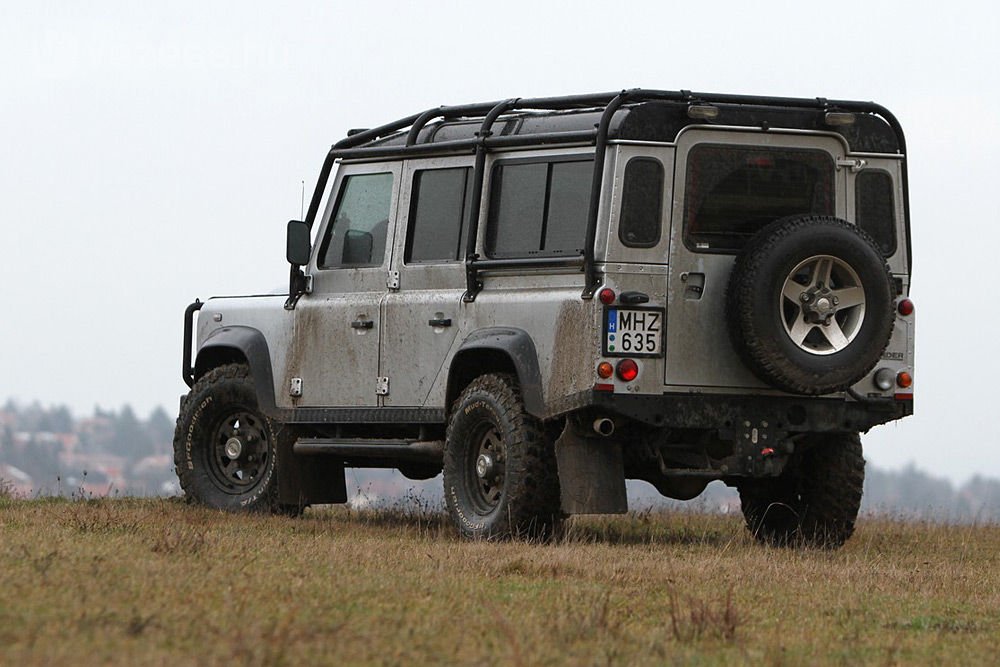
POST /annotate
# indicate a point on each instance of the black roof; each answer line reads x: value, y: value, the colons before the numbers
x: 639, y: 115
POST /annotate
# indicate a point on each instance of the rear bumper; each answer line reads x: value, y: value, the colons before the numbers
x: 735, y: 412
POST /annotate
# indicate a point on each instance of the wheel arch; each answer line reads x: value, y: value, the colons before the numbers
x: 240, y: 344
x: 498, y: 350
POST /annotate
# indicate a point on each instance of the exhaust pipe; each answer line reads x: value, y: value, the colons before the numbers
x: 604, y: 426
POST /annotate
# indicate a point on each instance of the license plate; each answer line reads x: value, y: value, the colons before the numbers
x: 633, y: 332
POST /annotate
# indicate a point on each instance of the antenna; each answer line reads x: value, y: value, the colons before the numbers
x: 302, y: 204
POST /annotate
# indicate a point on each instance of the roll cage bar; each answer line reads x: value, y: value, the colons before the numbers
x: 353, y: 147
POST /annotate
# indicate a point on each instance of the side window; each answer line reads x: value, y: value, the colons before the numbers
x: 357, y: 234
x: 733, y: 191
x: 642, y: 203
x: 539, y: 209
x: 874, y: 208
x: 439, y: 215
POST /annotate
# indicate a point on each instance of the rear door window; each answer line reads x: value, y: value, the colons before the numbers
x: 731, y: 192
x: 439, y: 215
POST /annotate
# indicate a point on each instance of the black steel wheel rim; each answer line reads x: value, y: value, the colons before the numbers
x: 486, y: 468
x: 240, y: 452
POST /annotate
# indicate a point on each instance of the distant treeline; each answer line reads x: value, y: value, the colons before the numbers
x: 49, y: 450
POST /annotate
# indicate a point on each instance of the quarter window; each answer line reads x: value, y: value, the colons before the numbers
x: 732, y: 192
x: 642, y: 202
x: 875, y: 207
x: 439, y: 215
x: 356, y: 236
x: 539, y: 209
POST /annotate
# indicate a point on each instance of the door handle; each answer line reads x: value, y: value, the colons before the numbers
x: 362, y: 324
x: 439, y: 322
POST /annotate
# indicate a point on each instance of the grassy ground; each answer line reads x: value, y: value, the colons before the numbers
x: 159, y: 582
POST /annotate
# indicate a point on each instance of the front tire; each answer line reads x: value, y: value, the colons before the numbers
x: 225, y: 448
x: 815, y: 502
x: 500, y: 475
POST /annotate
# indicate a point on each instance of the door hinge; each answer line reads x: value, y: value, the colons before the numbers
x: 392, y: 281
x: 295, y: 387
x: 382, y: 386
x: 855, y: 165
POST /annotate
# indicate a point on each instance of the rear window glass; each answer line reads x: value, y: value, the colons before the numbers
x: 439, y: 215
x: 356, y: 237
x: 875, y: 208
x: 733, y: 191
x: 642, y: 202
x: 539, y: 209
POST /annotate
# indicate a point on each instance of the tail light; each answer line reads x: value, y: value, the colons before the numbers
x: 627, y: 370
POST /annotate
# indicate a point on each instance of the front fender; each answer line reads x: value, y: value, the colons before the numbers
x: 230, y: 344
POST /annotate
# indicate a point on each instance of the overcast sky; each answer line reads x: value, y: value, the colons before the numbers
x: 149, y: 156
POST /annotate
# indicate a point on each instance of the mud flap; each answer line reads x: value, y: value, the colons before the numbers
x: 317, y: 480
x: 591, y: 474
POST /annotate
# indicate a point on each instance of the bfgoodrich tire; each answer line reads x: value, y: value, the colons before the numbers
x: 815, y: 502
x: 225, y: 449
x: 499, y: 470
x: 810, y: 304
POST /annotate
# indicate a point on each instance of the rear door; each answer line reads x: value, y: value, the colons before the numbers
x: 421, y: 313
x: 731, y: 184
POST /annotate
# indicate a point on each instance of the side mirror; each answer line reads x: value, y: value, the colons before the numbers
x: 297, y: 243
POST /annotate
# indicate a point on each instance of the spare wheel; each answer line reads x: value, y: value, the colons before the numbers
x: 810, y: 304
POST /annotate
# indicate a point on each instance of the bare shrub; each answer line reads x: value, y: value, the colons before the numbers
x: 692, y: 619
x: 179, y: 539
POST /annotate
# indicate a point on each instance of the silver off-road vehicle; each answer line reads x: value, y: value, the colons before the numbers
x: 544, y: 297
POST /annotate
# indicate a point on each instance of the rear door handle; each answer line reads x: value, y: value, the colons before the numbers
x: 362, y: 324
x: 439, y: 322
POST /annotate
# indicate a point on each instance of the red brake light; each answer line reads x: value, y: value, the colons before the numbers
x: 905, y: 307
x: 607, y: 296
x: 627, y: 370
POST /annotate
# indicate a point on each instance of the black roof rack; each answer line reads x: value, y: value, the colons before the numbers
x: 593, y: 119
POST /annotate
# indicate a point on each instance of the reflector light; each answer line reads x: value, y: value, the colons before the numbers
x: 600, y: 386
x: 905, y: 307
x: 904, y: 379
x: 607, y: 296
x: 839, y: 118
x: 605, y: 370
x: 627, y: 370
x: 703, y: 111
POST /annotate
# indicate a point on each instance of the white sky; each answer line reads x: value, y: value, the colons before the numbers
x: 149, y: 155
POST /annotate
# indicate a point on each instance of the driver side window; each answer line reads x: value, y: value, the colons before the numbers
x: 357, y: 234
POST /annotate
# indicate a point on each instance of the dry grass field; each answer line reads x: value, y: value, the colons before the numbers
x: 159, y: 582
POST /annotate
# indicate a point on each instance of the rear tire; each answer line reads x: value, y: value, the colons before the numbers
x: 225, y: 448
x: 815, y: 502
x: 500, y: 475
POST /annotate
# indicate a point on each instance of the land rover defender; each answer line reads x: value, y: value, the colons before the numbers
x: 544, y: 297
